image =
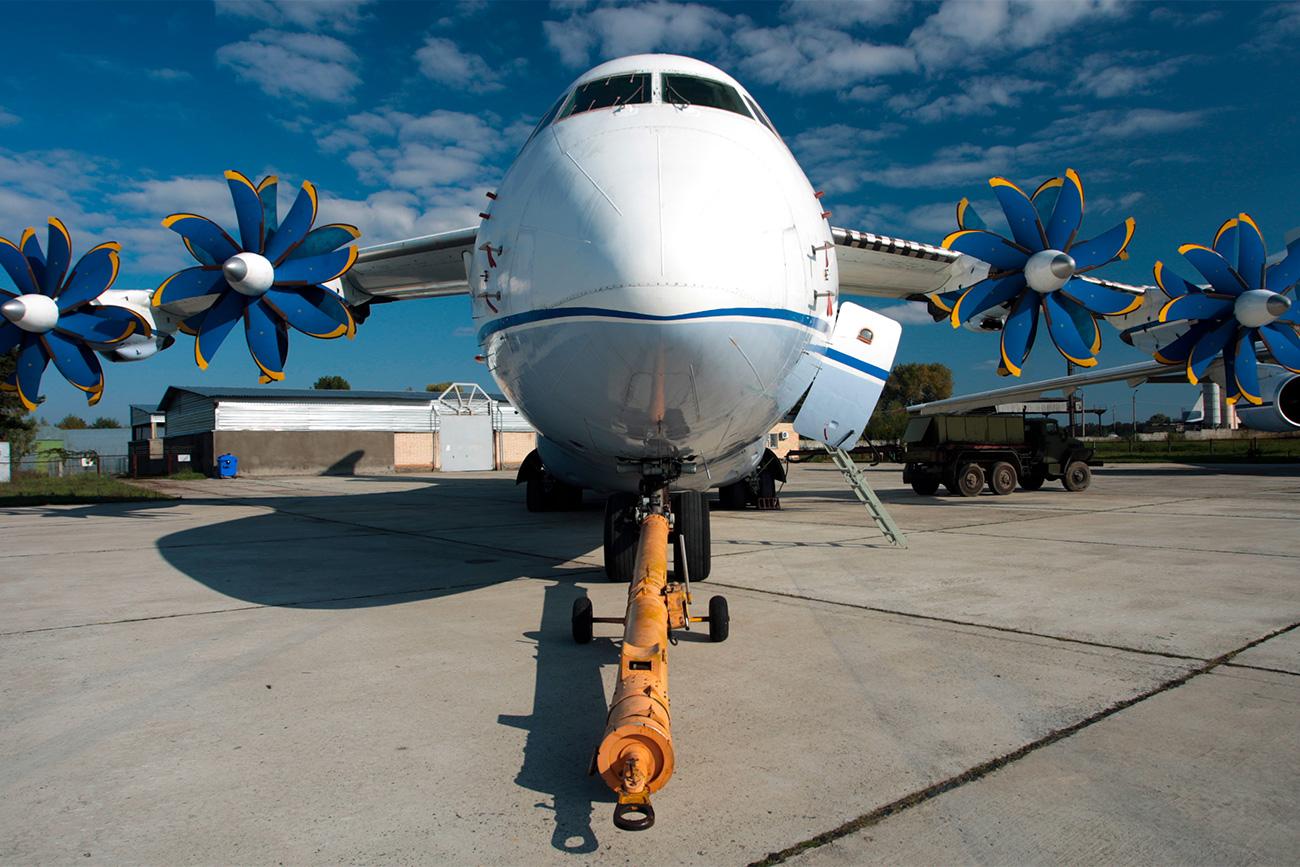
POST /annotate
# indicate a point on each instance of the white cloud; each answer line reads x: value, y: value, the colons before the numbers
x: 832, y: 156
x: 306, y: 65
x: 442, y: 61
x: 1111, y: 124
x: 805, y: 59
x: 615, y: 31
x: 983, y: 95
x: 1102, y: 74
x: 8, y: 118
x: 342, y: 16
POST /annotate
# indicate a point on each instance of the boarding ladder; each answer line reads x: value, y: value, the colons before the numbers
x: 870, y: 501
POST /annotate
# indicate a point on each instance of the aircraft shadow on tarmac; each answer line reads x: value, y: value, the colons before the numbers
x: 389, y: 548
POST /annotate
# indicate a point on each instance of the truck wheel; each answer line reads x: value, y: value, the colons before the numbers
x: 970, y: 480
x: 1034, y: 480
x: 1077, y: 476
x: 1002, y: 479
x: 925, y: 485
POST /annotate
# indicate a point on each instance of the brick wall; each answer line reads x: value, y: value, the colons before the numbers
x: 513, y: 447
x: 414, y: 451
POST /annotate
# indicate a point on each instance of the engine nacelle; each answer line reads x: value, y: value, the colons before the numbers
x: 1280, y: 412
x: 138, y: 347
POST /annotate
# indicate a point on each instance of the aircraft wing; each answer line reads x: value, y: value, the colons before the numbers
x: 433, y: 266
x: 884, y: 267
x: 1133, y: 374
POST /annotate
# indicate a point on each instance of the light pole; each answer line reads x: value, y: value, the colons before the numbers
x: 1135, y: 413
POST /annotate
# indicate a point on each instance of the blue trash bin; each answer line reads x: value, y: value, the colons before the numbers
x: 227, y: 466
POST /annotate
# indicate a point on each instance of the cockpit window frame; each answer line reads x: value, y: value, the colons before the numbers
x: 670, y: 94
x: 573, y: 99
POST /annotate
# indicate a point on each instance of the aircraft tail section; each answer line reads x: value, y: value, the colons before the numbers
x: 854, y: 367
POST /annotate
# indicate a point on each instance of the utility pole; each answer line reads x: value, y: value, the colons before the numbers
x: 1135, y: 413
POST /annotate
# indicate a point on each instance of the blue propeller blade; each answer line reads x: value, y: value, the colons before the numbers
x: 59, y: 257
x: 1179, y: 350
x: 217, y: 322
x: 10, y: 337
x: 1252, y: 255
x: 31, y: 365
x: 1046, y: 197
x: 35, y: 258
x: 78, y: 364
x: 1018, y: 332
x: 296, y: 225
x: 985, y: 295
x: 266, y: 340
x: 1195, y: 305
x: 1225, y: 240
x: 206, y: 241
x: 1101, y: 299
x: 248, y: 210
x: 317, y: 269
x: 1284, y: 343
x: 1244, y: 368
x: 190, y: 283
x: 968, y: 217
x: 323, y: 239
x: 90, y: 328
x: 1209, y: 347
x: 988, y: 247
x: 314, y: 311
x: 1104, y: 248
x: 94, y: 273
x: 1021, y: 215
x: 1171, y: 284
x: 1064, y: 332
x: 1279, y: 277
x: 1067, y: 216
x: 1214, y: 268
x: 266, y: 191
x: 18, y: 269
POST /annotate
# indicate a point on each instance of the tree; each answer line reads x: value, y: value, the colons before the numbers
x: 439, y: 387
x: 104, y: 422
x: 17, y: 427
x: 332, y: 383
x: 1159, y: 419
x: 908, y: 384
x: 72, y: 422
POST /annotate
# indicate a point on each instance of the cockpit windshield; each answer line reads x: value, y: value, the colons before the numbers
x: 608, y: 93
x: 690, y: 90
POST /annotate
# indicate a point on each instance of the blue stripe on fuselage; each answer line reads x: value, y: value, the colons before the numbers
x: 849, y: 361
x: 532, y: 316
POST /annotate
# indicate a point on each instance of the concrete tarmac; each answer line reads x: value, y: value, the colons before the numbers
x: 379, y: 670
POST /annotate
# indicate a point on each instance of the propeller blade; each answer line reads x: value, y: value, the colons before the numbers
x: 1018, y: 333
x: 32, y: 362
x: 1101, y: 299
x: 1171, y: 284
x: 266, y: 191
x: 190, y: 283
x: 1252, y: 255
x: 59, y: 257
x: 206, y: 241
x: 1279, y: 277
x: 1021, y: 215
x: 1225, y: 240
x: 78, y: 364
x: 1284, y: 343
x: 217, y: 322
x: 94, y: 273
x: 1196, y: 305
x: 10, y: 337
x: 1064, y: 332
x: 35, y: 258
x: 18, y: 269
x: 1046, y: 196
x: 1209, y: 347
x: 296, y: 225
x: 323, y: 239
x: 1067, y: 216
x: 968, y: 217
x: 248, y: 210
x: 1178, y: 351
x: 267, y: 340
x: 986, y: 295
x: 1104, y: 248
x: 1244, y: 367
x: 1214, y: 268
x: 316, y: 269
x: 89, y: 328
x: 314, y: 311
x: 988, y: 247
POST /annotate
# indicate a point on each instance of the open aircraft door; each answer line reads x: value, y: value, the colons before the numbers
x: 854, y: 367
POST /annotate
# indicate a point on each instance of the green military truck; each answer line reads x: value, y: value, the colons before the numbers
x: 962, y: 452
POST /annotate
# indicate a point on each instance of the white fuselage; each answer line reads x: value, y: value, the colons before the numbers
x: 659, y: 286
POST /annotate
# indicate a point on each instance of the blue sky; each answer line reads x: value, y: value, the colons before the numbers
x: 114, y: 115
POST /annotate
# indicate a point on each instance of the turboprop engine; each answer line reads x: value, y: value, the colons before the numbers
x: 1280, y: 410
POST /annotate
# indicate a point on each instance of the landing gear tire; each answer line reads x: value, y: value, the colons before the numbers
x: 719, y: 619
x: 925, y: 485
x: 1002, y: 479
x: 621, y: 533
x: 1077, y: 477
x: 1034, y: 480
x: 970, y: 480
x: 732, y: 497
x: 691, y: 511
x: 583, y: 620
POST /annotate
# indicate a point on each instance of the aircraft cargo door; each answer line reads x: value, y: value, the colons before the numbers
x: 465, y: 442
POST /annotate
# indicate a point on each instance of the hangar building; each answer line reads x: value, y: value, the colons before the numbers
x: 275, y: 431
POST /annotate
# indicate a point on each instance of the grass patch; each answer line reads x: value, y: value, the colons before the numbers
x: 34, y: 490
x: 187, y: 476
